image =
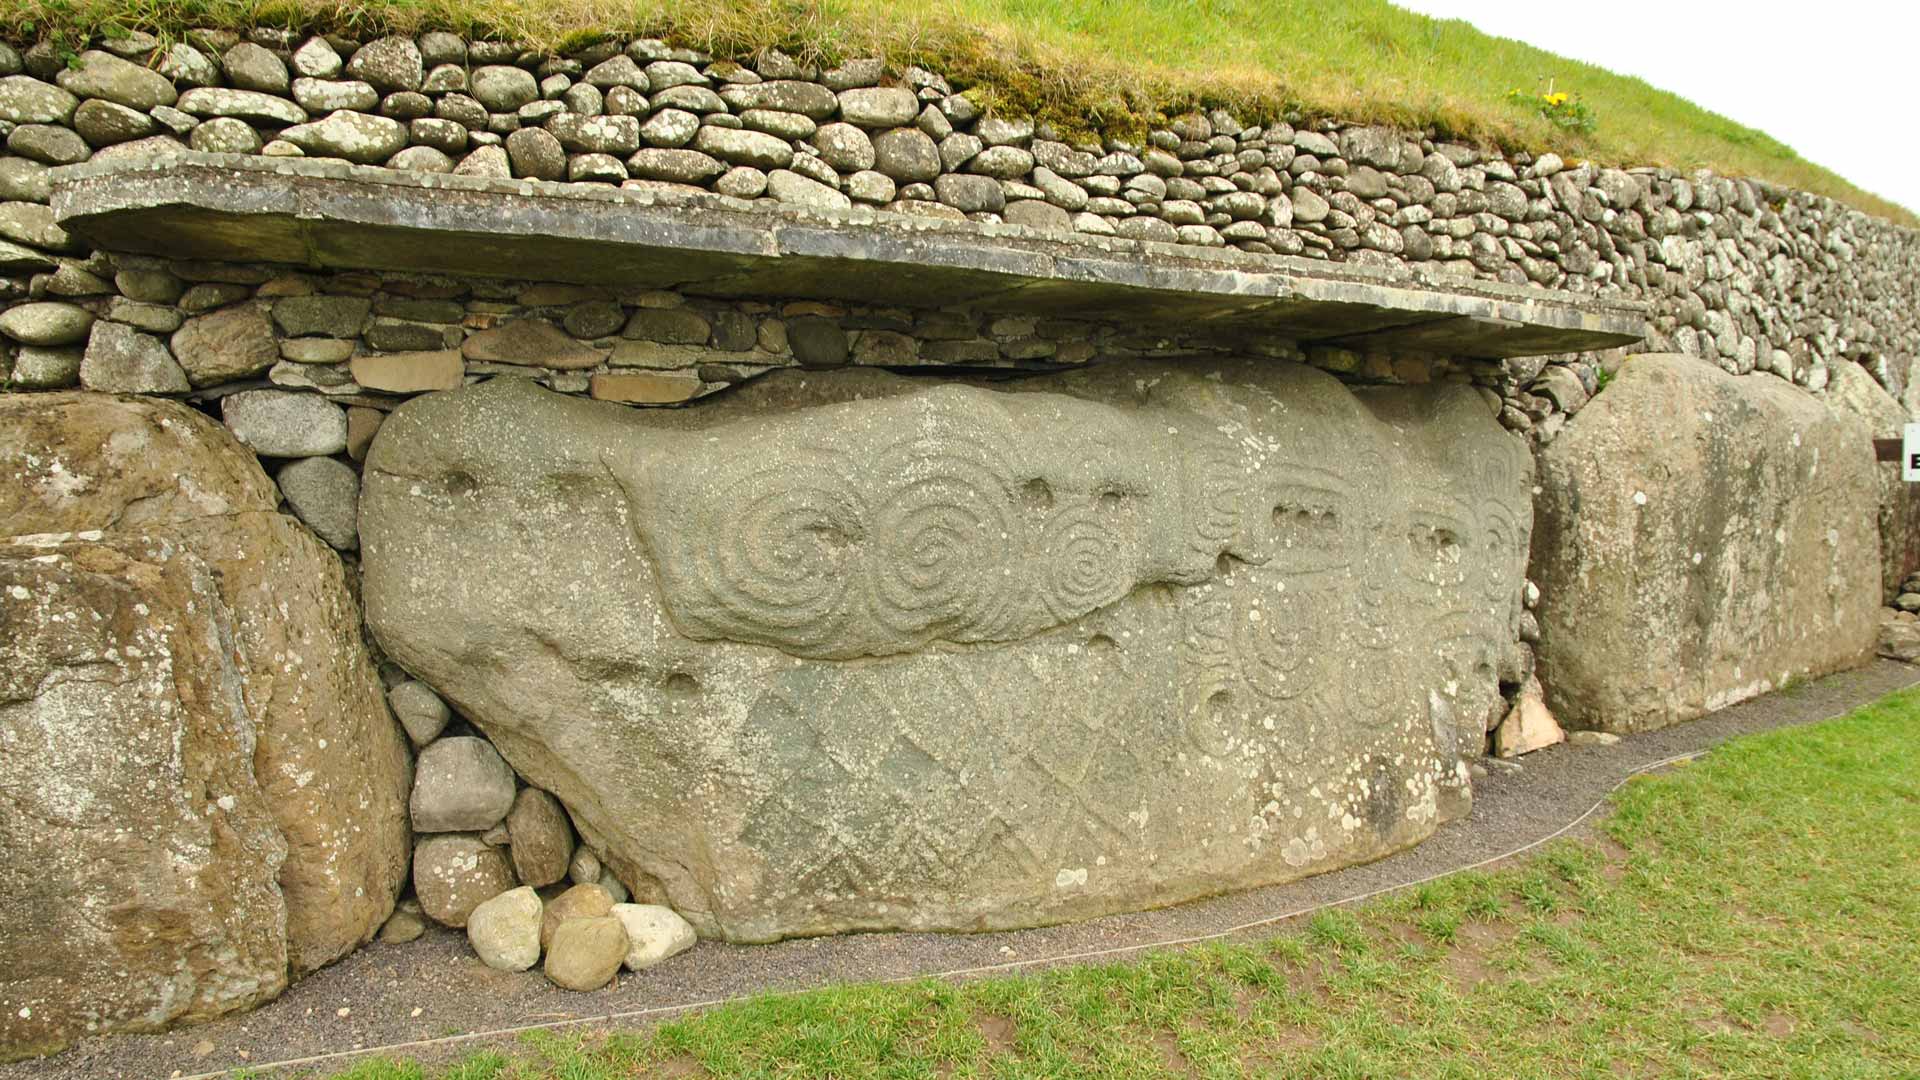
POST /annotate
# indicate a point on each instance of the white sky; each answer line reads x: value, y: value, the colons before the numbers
x: 1837, y: 80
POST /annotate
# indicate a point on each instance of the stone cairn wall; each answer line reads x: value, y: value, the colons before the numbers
x: 303, y: 367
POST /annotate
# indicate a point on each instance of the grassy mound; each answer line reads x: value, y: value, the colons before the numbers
x: 1097, y: 65
x: 1106, y: 65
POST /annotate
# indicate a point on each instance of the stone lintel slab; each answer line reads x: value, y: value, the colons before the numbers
x: 329, y: 214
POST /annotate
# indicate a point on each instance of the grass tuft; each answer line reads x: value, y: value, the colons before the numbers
x: 1095, y: 66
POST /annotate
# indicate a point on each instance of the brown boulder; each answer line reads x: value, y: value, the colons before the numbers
x: 138, y: 851
x: 326, y: 755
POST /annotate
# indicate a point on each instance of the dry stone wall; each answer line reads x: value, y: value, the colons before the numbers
x: 1738, y: 272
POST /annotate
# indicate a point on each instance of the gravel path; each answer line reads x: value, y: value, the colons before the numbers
x: 434, y: 987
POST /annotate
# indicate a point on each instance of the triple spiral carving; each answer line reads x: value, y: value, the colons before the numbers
x: 929, y: 537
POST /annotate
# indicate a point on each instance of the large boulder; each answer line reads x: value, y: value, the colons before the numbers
x: 834, y: 654
x: 139, y: 856
x: 320, y: 746
x: 1852, y: 391
x: 1700, y: 538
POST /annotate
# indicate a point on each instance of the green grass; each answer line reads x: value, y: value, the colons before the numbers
x: 1098, y: 65
x: 1756, y: 914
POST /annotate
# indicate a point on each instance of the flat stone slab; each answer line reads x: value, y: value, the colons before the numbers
x: 329, y: 214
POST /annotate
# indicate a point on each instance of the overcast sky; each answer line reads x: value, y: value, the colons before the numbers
x: 1838, y: 80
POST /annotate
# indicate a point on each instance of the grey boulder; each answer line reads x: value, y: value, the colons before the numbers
x: 460, y: 785
x: 1702, y: 538
x: 963, y: 656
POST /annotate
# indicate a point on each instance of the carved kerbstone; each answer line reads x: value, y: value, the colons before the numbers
x: 868, y: 652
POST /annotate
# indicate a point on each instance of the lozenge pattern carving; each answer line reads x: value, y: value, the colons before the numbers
x: 963, y: 657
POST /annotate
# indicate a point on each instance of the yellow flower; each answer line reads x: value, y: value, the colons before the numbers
x: 1559, y: 98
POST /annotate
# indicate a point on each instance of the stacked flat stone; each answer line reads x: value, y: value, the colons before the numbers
x: 1740, y: 273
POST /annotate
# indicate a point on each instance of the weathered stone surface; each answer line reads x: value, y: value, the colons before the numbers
x: 409, y: 372
x: 541, y: 838
x: 135, y: 852
x: 460, y: 785
x: 505, y: 930
x: 588, y: 901
x: 420, y: 711
x: 390, y: 64
x: 596, y: 134
x: 316, y: 58
x: 225, y: 345
x: 358, y: 137
x: 453, y: 873
x: 121, y: 360
x: 1528, y: 726
x: 654, y: 933
x: 501, y: 88
x: 1851, y: 390
x: 26, y: 100
x: 324, y: 493
x: 327, y: 316
x: 37, y: 367
x: 742, y: 147
x: 970, y: 194
x: 48, y: 144
x: 643, y: 388
x: 285, y: 423
x: 46, y: 322
x: 536, y: 154
x: 844, y: 146
x: 1702, y: 539
x: 102, y: 123
x: 811, y: 100
x: 791, y: 187
x: 879, y: 107
x: 532, y: 342
x: 327, y: 95
x: 241, y: 105
x: 321, y: 748
x: 586, y: 953
x: 1899, y: 636
x: 252, y: 67
x: 225, y: 135
x: 1170, y: 639
x: 906, y: 155
x: 24, y: 180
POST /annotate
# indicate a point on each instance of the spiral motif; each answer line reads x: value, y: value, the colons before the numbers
x: 1216, y: 486
x: 780, y: 550
x: 1274, y: 652
x: 941, y: 539
x: 1084, y: 566
x: 1502, y: 565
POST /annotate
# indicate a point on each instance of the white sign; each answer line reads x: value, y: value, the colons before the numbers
x: 1910, y: 453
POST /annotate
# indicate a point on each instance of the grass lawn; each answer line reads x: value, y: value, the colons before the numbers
x: 1756, y: 914
x: 1097, y: 65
